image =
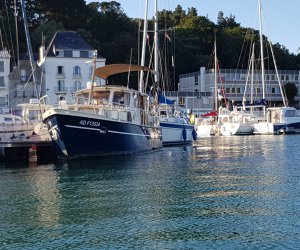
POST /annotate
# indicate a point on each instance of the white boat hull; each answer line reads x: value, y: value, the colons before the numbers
x: 263, y: 128
x: 206, y: 130
x: 228, y: 129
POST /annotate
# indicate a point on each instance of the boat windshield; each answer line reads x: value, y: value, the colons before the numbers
x: 33, y: 115
x: 102, y: 96
x: 122, y: 98
x: 291, y: 113
x: 98, y: 96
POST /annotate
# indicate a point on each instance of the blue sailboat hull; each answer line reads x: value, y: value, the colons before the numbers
x: 77, y: 136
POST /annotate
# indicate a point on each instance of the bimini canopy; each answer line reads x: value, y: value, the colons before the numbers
x: 114, y: 69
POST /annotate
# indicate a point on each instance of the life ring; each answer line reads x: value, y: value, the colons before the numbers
x: 184, y: 134
x: 194, y: 134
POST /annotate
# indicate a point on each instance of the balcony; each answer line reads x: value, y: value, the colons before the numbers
x: 77, y: 76
x: 74, y: 89
x: 60, y: 90
x: 60, y: 76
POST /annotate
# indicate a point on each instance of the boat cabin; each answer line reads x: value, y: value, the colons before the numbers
x: 112, y: 95
x: 9, y: 119
x: 282, y: 114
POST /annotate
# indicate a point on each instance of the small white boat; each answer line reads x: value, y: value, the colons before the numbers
x: 206, y: 126
x: 280, y: 120
x: 26, y: 127
x: 236, y: 123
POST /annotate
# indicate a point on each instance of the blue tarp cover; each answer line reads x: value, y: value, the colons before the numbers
x: 163, y: 99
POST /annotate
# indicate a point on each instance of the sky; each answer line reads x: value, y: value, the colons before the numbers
x: 280, y: 17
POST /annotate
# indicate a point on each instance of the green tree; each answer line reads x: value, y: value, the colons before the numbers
x: 178, y: 15
x: 291, y: 91
x: 192, y: 12
x: 72, y: 14
x: 226, y: 22
x: 45, y: 31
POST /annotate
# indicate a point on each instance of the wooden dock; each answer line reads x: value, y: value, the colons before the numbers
x: 26, y: 151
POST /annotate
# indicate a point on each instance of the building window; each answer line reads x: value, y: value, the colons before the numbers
x: 2, y: 84
x: 227, y: 90
x: 296, y: 78
x: 233, y: 90
x: 67, y: 53
x: 238, y: 90
x: 60, y: 70
x: 282, y: 77
x: 273, y: 77
x: 19, y: 90
x: 2, y: 101
x: 1, y: 66
x: 61, y: 85
x: 181, y: 101
x: 76, y: 53
x: 91, y: 68
x: 257, y: 90
x: 59, y: 53
x: 23, y: 75
x: 84, y: 54
x: 77, y: 85
x: 76, y: 71
x: 287, y: 77
x: 273, y: 91
x: 196, y: 80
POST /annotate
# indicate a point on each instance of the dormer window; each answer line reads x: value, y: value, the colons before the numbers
x: 59, y: 53
x: 68, y: 53
x: 76, y: 53
x: 84, y: 54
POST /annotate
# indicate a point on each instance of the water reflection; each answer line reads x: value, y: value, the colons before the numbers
x: 218, y: 193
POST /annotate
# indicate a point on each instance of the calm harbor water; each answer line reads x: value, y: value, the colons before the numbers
x: 220, y: 193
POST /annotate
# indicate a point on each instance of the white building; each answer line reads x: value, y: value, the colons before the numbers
x: 195, y: 90
x: 67, y: 65
x: 4, y: 80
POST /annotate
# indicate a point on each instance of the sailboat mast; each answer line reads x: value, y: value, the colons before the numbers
x: 30, y: 53
x: 252, y: 73
x: 17, y: 35
x: 141, y: 89
x: 216, y: 89
x: 156, y: 77
x: 261, y: 52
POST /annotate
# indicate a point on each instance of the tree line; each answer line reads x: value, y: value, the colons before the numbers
x: 186, y: 39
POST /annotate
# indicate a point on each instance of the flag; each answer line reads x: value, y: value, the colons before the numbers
x: 167, y: 36
x: 220, y: 96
